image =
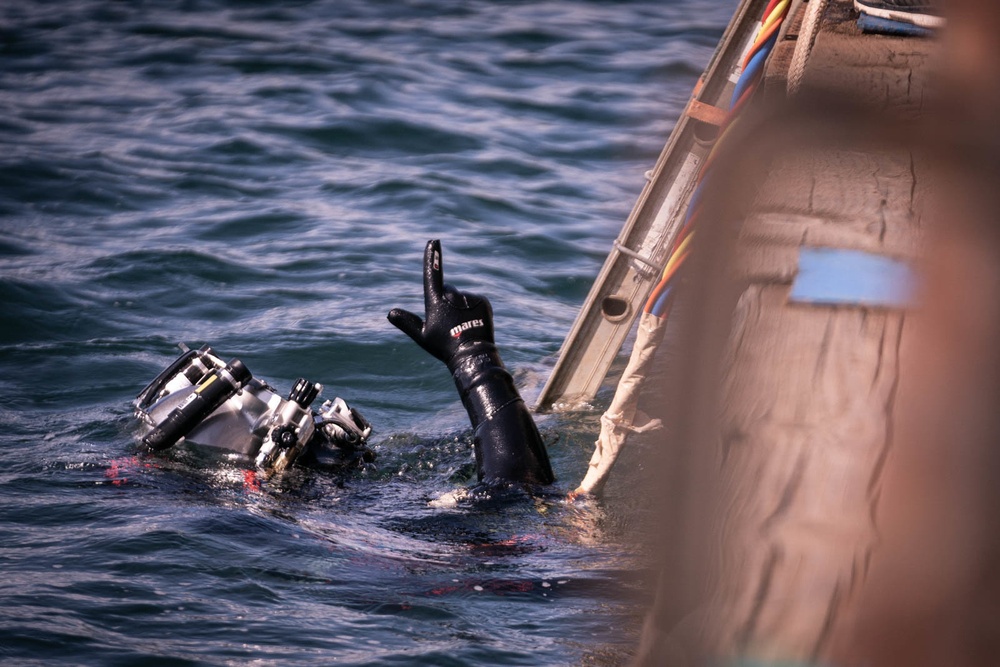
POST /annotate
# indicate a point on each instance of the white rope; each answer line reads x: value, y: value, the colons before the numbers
x: 804, y: 44
x: 623, y: 416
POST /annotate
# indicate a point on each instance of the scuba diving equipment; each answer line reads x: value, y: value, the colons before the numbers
x: 290, y: 428
x: 204, y: 401
x: 458, y: 330
x: 217, y: 388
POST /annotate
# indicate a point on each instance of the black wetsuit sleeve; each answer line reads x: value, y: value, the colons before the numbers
x: 507, y: 443
x: 458, y: 330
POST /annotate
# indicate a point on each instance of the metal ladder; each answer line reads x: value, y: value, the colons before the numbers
x: 637, y: 256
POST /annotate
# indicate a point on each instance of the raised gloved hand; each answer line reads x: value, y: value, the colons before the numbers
x: 458, y: 329
x: 456, y: 324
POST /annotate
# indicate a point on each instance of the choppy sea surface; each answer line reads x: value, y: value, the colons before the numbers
x: 262, y: 177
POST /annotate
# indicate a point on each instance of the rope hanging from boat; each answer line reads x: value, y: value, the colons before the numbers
x: 622, y: 416
x: 804, y: 44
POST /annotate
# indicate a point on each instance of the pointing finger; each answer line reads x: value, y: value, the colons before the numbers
x: 433, y: 275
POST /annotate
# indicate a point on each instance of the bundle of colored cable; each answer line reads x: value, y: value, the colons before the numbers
x: 752, y: 73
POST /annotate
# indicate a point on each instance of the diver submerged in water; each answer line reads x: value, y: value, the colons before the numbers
x: 203, y: 400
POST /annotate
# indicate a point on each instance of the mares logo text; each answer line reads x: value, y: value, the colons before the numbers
x: 465, y: 325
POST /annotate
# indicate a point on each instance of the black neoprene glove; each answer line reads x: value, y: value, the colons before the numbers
x: 458, y: 330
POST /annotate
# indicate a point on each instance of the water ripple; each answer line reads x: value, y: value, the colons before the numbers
x: 262, y: 177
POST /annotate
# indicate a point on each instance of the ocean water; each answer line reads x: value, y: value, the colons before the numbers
x: 262, y: 177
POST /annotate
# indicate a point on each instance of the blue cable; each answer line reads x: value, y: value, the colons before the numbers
x: 661, y: 303
x: 753, y: 69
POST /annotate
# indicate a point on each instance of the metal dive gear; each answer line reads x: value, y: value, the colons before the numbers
x: 205, y: 401
x: 218, y: 387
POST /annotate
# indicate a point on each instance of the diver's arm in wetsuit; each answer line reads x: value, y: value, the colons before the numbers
x: 458, y: 330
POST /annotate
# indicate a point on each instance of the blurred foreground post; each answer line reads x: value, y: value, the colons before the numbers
x: 783, y: 407
x: 933, y: 595
x: 831, y: 482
